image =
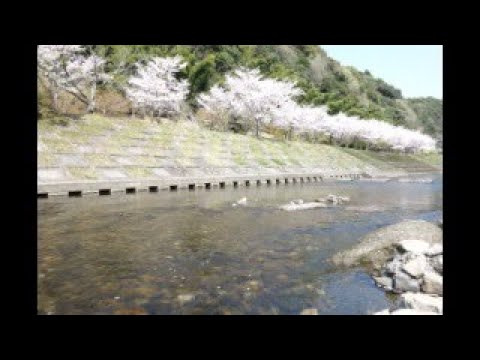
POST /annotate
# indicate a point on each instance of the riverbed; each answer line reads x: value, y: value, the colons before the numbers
x: 192, y: 252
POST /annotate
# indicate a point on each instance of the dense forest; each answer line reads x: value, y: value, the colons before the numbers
x: 323, y: 80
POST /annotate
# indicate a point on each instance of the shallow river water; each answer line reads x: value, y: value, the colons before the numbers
x: 191, y: 252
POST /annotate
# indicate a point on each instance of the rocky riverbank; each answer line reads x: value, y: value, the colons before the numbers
x: 404, y: 259
x: 415, y: 272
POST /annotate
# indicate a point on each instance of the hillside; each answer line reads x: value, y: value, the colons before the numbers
x: 324, y: 80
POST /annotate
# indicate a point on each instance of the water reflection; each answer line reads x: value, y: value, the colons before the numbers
x: 191, y: 252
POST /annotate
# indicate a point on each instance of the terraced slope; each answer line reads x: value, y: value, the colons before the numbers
x: 97, y: 148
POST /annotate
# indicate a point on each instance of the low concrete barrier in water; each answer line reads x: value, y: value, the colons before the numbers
x: 107, y: 187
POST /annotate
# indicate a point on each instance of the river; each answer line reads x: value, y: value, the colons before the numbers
x: 192, y: 252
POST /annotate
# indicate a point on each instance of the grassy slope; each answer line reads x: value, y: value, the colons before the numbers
x: 97, y: 141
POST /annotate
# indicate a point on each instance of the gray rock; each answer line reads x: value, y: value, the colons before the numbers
x: 432, y: 283
x: 368, y: 249
x: 416, y: 180
x: 384, y: 282
x: 242, y: 201
x: 403, y: 283
x: 305, y: 206
x: 414, y: 246
x: 383, y: 312
x: 309, y: 312
x: 394, y: 266
x: 436, y: 263
x: 435, y: 249
x: 422, y: 302
x: 334, y: 199
x: 416, y: 267
x: 412, y: 312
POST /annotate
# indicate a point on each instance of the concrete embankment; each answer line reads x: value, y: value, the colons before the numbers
x: 100, y: 155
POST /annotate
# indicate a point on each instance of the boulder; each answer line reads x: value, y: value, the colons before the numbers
x: 309, y: 312
x: 383, y: 312
x: 422, y: 302
x: 370, y: 247
x: 434, y: 250
x: 403, y: 282
x: 436, y: 263
x: 432, y: 283
x: 414, y: 246
x: 412, y: 312
x: 416, y: 267
x: 394, y: 266
x: 384, y: 282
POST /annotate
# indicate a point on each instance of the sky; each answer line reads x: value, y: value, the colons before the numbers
x: 417, y: 70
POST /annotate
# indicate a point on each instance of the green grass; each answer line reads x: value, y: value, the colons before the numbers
x: 83, y: 173
x: 112, y: 136
x: 138, y: 172
x: 45, y: 159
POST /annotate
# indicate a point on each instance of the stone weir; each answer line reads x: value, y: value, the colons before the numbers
x: 173, y: 183
x: 99, y: 155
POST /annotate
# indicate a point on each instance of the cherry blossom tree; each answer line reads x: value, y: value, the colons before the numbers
x: 52, y: 60
x: 155, y: 88
x: 248, y: 95
x: 67, y: 68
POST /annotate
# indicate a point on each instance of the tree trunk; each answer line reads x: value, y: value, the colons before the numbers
x: 55, y: 100
x: 256, y: 130
x: 91, y: 100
